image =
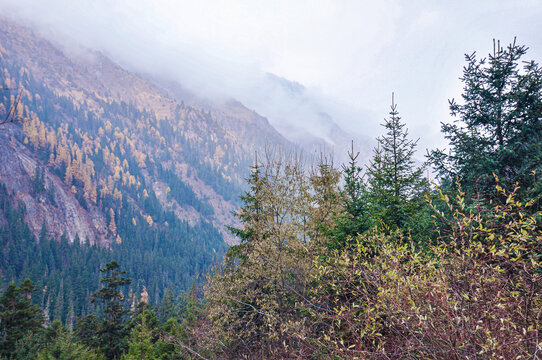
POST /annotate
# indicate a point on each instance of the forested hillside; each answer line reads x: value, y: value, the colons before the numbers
x: 98, y: 163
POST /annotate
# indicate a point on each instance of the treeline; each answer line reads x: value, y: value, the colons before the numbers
x: 119, y: 332
x: 356, y: 262
x: 65, y: 272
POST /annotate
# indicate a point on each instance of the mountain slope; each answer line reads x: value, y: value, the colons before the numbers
x: 106, y: 158
x: 292, y: 110
x: 222, y: 144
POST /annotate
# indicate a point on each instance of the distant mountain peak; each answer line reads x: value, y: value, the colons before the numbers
x: 290, y: 86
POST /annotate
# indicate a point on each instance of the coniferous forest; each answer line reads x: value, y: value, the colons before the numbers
x: 333, y: 261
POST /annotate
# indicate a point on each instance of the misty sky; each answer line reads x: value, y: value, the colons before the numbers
x: 349, y: 54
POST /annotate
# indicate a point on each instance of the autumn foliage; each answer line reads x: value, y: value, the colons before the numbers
x: 475, y: 294
x: 473, y: 290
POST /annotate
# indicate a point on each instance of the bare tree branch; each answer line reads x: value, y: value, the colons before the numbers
x: 11, y: 115
x: 178, y: 342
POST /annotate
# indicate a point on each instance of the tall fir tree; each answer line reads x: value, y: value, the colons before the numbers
x: 498, y: 126
x: 324, y: 206
x: 250, y: 214
x: 142, y: 338
x: 168, y: 308
x: 112, y: 332
x: 352, y: 219
x: 60, y: 344
x: 18, y: 317
x: 396, y: 184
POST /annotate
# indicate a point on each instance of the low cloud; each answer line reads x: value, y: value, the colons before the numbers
x: 349, y: 55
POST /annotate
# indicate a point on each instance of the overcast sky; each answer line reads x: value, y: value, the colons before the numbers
x: 351, y: 53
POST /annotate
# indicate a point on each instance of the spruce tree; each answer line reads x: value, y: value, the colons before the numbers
x: 60, y: 344
x: 113, y: 330
x: 142, y: 339
x: 396, y: 184
x: 498, y: 126
x: 18, y: 316
x: 353, y: 217
x: 250, y: 214
x: 86, y: 331
x: 168, y: 308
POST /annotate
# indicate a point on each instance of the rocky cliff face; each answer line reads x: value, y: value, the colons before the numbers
x: 56, y: 207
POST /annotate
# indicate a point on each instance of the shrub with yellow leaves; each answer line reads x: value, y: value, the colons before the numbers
x: 475, y: 293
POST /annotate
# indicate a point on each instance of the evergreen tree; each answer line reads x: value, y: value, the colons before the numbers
x: 324, y: 205
x: 113, y: 330
x: 192, y: 308
x: 251, y: 212
x: 167, y: 309
x: 498, y: 127
x: 141, y: 345
x: 18, y: 316
x: 353, y: 217
x: 38, y: 181
x: 60, y: 344
x: 59, y: 303
x: 396, y: 185
x: 86, y: 331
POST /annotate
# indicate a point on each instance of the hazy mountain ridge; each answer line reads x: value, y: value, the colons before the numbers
x: 291, y: 109
x: 105, y: 157
x: 304, y: 118
x: 240, y: 122
x: 227, y: 136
